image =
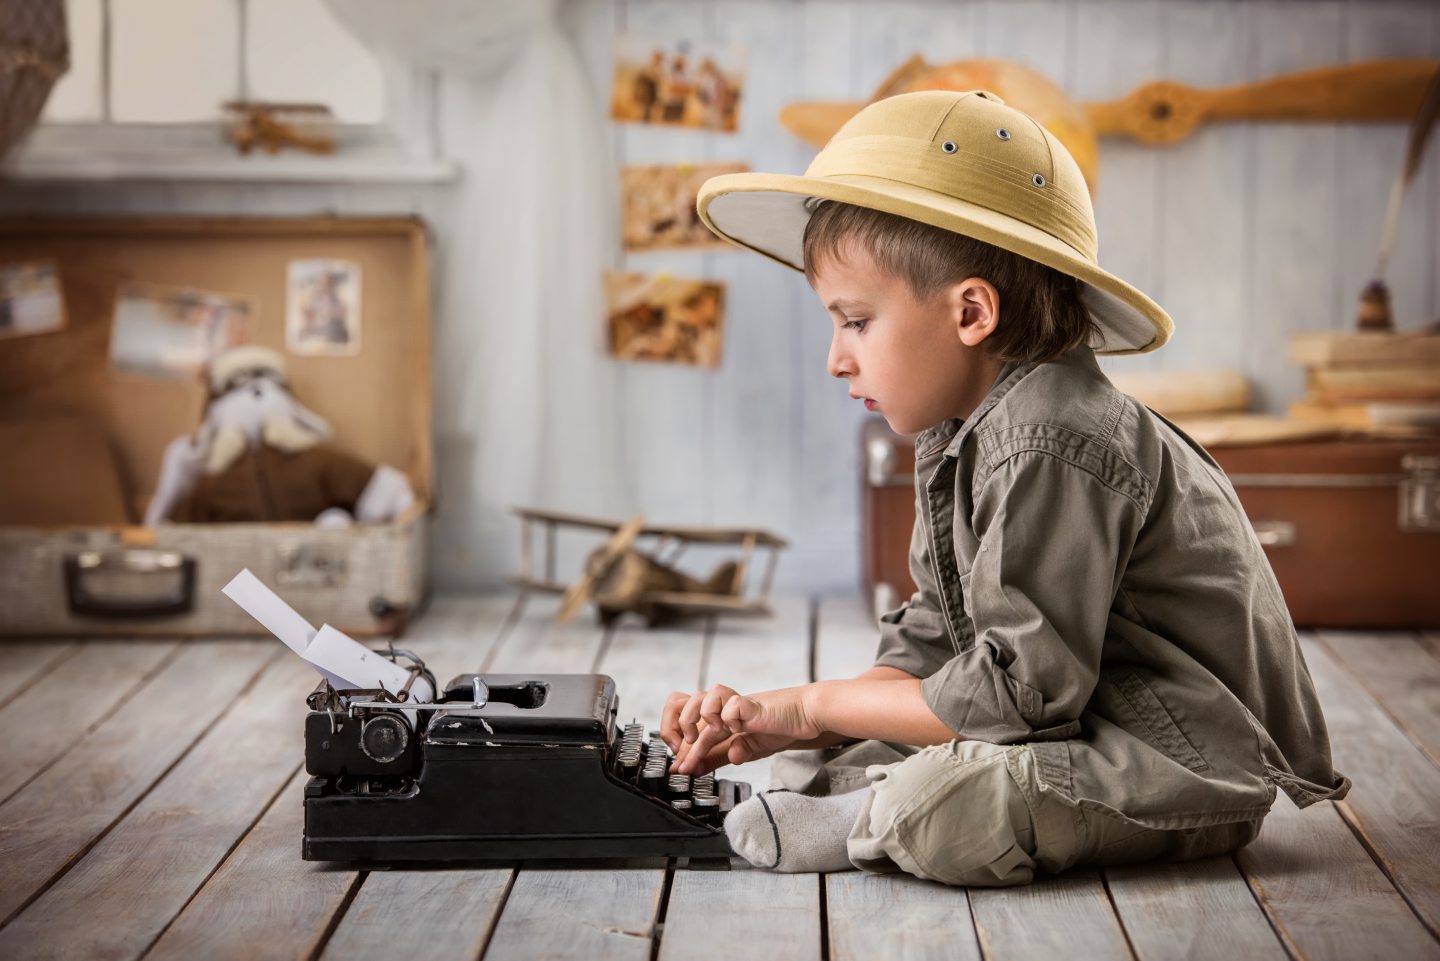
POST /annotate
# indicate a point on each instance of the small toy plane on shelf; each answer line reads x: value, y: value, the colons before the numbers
x: 622, y: 579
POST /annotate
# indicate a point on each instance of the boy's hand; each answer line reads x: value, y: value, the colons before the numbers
x: 708, y: 728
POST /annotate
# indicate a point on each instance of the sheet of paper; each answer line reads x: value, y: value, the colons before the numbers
x: 334, y: 652
x: 274, y: 615
x: 342, y: 660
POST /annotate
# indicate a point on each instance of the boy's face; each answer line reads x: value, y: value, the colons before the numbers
x: 915, y: 362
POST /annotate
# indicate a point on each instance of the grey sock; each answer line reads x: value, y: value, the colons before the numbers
x: 790, y: 832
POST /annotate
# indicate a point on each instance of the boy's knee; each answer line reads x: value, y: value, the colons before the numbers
x: 953, y: 813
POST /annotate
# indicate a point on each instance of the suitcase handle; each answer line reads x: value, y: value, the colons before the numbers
x: 130, y: 583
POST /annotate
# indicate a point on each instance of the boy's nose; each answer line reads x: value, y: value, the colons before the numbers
x: 838, y: 363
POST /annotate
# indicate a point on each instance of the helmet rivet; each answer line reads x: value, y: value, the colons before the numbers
x: 1039, y: 180
x: 949, y: 146
x: 1002, y: 133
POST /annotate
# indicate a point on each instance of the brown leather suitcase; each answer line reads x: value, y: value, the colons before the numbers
x: 887, y: 501
x: 1351, y: 527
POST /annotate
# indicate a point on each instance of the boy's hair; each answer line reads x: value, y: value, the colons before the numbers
x: 1043, y: 315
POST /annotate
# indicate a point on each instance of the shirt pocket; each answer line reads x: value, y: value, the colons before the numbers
x: 1127, y: 700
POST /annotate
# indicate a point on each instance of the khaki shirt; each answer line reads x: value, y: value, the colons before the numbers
x: 1089, y: 584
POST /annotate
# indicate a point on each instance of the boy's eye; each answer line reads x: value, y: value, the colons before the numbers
x: 856, y: 325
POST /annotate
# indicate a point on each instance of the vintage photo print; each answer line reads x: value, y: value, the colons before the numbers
x: 664, y: 318
x: 658, y: 205
x: 678, y: 83
x: 173, y: 332
x: 30, y: 299
x: 322, y: 309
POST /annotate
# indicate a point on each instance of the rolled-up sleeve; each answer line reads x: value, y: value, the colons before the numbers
x: 1054, y: 540
x: 913, y: 637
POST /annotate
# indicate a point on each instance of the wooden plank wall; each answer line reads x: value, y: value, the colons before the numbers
x: 1244, y: 232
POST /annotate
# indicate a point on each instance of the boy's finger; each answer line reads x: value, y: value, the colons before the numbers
x: 669, y: 718
x: 740, y: 713
x: 709, y: 737
x: 690, y: 716
x: 712, y: 705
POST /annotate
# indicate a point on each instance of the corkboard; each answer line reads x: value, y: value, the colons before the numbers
x: 378, y: 401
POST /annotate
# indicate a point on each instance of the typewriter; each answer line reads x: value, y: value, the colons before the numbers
x: 499, y: 766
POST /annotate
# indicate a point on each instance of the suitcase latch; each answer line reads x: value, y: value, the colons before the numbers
x: 1420, y: 493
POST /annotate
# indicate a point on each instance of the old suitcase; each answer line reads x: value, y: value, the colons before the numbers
x: 73, y: 558
x: 1351, y: 527
x: 887, y: 503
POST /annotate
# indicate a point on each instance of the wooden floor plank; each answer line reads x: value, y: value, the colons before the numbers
x: 1394, y: 800
x: 1430, y: 640
x: 895, y: 915
x: 1199, y: 910
x: 538, y: 644
x: 119, y: 667
x: 455, y: 908
x: 23, y: 662
x: 1323, y: 892
x: 61, y: 812
x: 122, y: 895
x: 1400, y: 674
x: 761, y: 655
x: 741, y: 913
x: 589, y: 915
x: 648, y: 663
x: 264, y: 903
x: 458, y: 633
x: 1069, y: 916
x: 847, y: 637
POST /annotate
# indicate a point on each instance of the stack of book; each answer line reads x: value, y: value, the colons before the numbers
x: 1381, y: 383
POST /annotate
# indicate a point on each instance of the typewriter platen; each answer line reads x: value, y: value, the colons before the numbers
x: 501, y: 766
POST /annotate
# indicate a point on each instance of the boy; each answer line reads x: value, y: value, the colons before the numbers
x: 1098, y: 666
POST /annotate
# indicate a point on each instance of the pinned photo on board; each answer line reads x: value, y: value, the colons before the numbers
x: 677, y: 83
x: 322, y: 310
x: 30, y: 299
x: 659, y: 205
x: 663, y: 318
x: 173, y: 332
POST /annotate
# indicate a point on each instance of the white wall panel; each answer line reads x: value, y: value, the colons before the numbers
x: 173, y: 61
x: 79, y: 95
x: 295, y: 50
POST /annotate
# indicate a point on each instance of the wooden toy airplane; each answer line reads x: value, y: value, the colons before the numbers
x: 621, y: 579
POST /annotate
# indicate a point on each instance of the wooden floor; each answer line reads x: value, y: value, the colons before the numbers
x: 150, y: 807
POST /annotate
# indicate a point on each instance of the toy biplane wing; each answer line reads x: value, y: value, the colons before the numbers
x: 621, y: 577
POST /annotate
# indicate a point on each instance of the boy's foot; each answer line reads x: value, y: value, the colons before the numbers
x: 790, y: 832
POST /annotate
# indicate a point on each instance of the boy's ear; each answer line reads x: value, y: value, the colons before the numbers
x: 974, y: 309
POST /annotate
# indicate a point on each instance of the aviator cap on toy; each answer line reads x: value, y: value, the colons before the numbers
x: 243, y: 363
x: 962, y: 162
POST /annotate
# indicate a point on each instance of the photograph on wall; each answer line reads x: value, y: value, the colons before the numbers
x: 322, y: 307
x: 658, y: 206
x: 657, y: 317
x: 677, y: 83
x: 30, y: 300
x: 173, y: 332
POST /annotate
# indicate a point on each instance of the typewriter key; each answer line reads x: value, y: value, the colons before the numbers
x: 680, y: 804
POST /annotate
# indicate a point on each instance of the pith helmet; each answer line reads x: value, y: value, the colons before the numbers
x: 958, y: 161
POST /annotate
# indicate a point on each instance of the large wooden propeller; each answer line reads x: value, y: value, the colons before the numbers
x: 1164, y: 111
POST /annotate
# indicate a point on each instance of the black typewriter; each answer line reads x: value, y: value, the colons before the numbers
x: 499, y: 766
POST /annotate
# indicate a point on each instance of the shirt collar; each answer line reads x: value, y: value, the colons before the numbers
x: 953, y: 432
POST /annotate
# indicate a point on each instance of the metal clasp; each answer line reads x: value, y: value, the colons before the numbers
x: 1420, y: 493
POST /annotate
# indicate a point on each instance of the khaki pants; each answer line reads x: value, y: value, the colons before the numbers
x: 970, y: 813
